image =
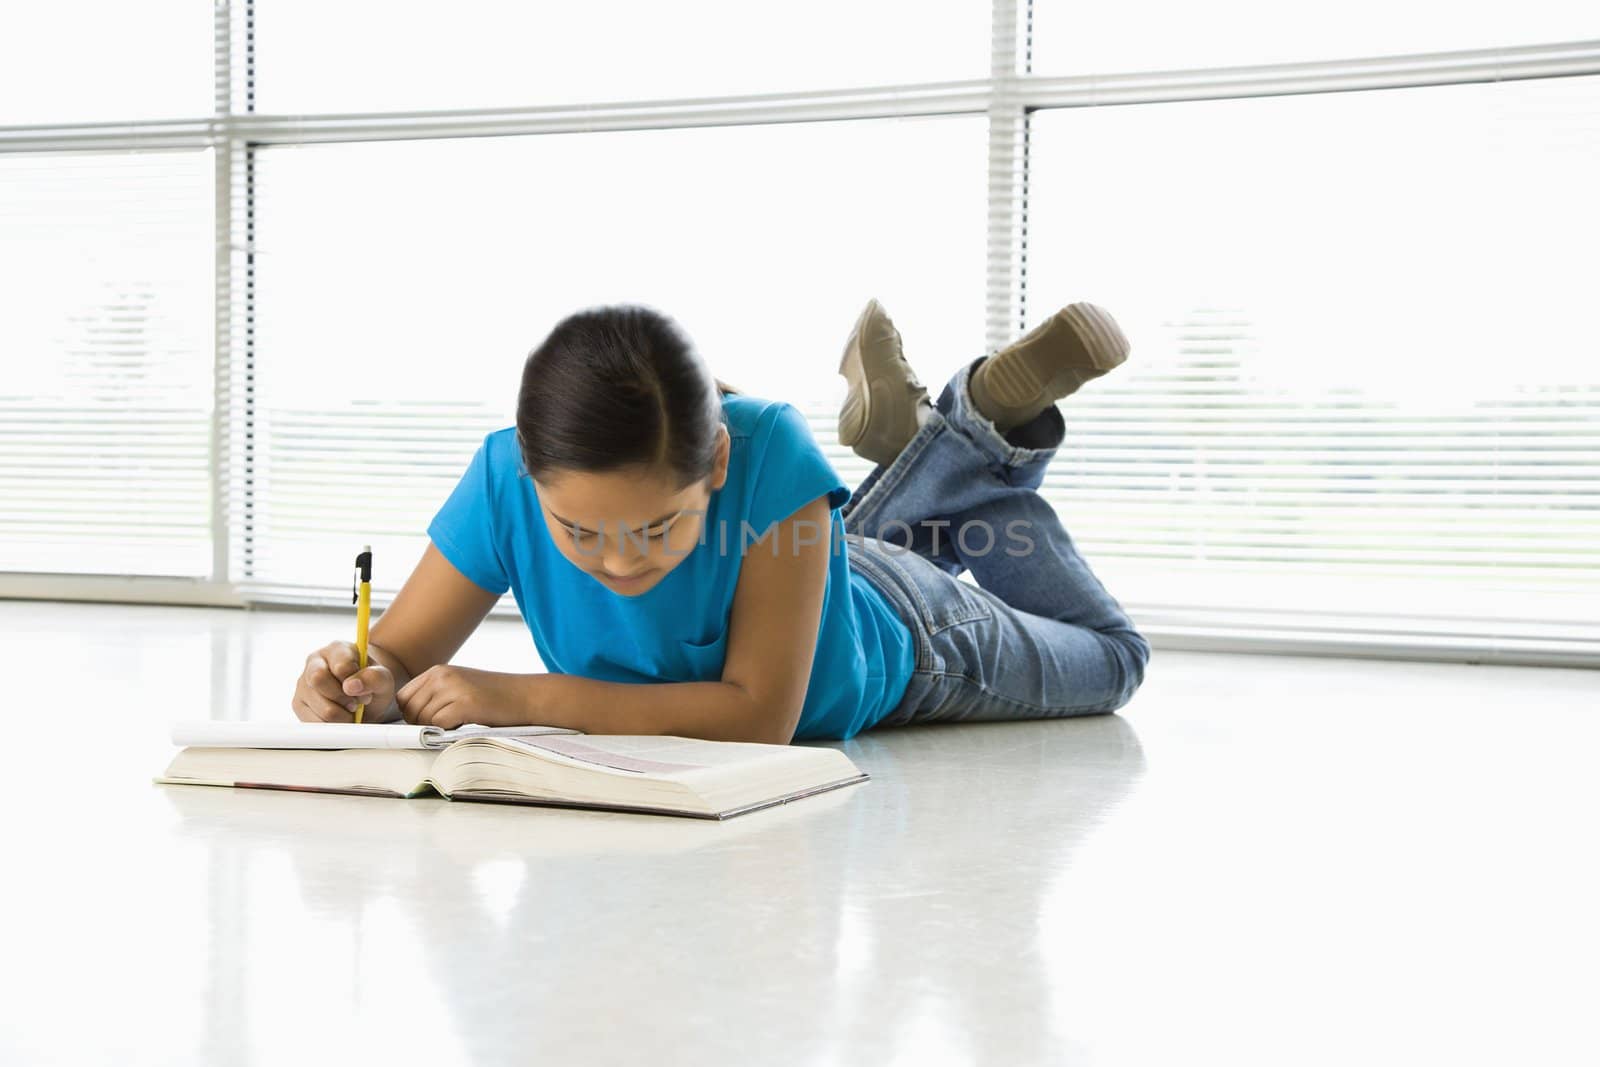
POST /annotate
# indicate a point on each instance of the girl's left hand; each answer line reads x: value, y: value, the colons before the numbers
x: 448, y: 696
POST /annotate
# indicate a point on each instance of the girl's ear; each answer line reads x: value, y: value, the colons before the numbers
x: 719, y: 469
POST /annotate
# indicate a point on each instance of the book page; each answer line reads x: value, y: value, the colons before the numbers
x: 634, y: 759
x: 398, y: 773
x: 675, y: 774
x: 670, y: 757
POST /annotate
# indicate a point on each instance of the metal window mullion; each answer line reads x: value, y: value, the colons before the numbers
x: 245, y: 315
x: 233, y: 359
x: 222, y: 290
x: 245, y: 326
x: 1006, y: 244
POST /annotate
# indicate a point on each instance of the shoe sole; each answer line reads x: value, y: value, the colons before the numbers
x: 1034, y: 367
x: 856, y: 415
x: 857, y: 405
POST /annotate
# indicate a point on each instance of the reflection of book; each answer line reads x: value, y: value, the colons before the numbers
x: 522, y: 765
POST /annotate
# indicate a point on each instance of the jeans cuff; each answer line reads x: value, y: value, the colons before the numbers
x: 1035, y: 440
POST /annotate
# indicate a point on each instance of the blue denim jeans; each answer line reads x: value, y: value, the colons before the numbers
x: 1038, y: 636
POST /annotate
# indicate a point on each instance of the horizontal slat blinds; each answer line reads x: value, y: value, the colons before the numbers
x: 1214, y: 563
x: 399, y: 288
x: 1364, y: 373
x: 1360, y: 410
x: 329, y: 479
x: 106, y: 394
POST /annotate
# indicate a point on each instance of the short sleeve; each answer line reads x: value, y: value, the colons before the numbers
x: 463, y: 529
x: 788, y: 469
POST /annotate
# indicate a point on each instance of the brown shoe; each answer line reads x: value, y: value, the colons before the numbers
x: 1076, y: 344
x: 886, y: 403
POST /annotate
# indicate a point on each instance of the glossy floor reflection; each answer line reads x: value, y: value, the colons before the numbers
x: 1264, y: 860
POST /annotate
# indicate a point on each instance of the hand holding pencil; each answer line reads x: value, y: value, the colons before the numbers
x: 333, y: 684
x: 340, y: 679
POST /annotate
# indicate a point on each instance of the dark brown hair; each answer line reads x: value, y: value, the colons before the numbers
x: 615, y: 387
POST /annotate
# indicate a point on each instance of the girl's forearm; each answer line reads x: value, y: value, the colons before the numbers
x: 715, y: 711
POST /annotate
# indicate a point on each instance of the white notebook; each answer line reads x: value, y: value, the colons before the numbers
x: 332, y: 735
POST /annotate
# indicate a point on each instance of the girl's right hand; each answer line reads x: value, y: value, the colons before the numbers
x: 330, y: 687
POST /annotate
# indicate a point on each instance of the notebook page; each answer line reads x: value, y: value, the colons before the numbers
x: 433, y: 737
x: 325, y: 735
x: 333, y: 735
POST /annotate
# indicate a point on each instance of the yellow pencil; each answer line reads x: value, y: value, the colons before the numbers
x: 361, y: 596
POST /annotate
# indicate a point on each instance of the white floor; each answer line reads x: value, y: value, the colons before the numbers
x: 1264, y: 860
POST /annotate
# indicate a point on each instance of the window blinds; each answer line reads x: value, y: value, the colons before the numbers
x: 106, y: 395
x: 1364, y: 383
x: 1241, y: 478
x: 390, y: 339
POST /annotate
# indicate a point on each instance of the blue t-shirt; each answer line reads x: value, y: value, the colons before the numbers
x: 491, y: 530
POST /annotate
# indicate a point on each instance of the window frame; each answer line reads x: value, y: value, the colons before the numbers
x: 1011, y: 93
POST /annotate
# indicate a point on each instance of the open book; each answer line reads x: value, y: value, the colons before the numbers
x: 514, y: 764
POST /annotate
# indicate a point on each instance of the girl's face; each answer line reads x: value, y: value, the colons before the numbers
x: 628, y: 528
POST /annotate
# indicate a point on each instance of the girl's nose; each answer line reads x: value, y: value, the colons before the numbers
x: 619, y: 556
